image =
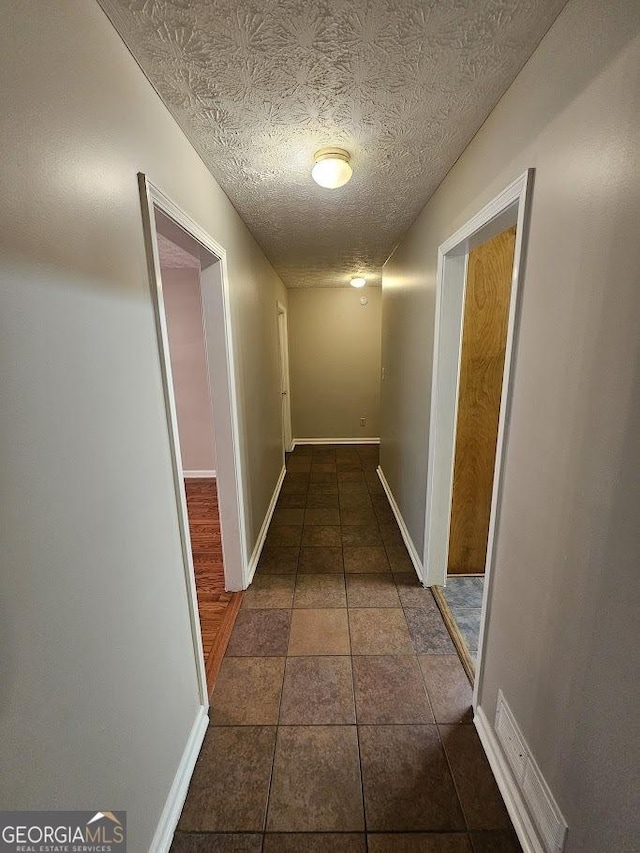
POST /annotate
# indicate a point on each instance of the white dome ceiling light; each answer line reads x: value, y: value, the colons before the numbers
x: 358, y: 282
x: 332, y: 168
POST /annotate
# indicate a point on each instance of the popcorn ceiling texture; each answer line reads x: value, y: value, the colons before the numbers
x: 259, y: 87
x: 174, y: 257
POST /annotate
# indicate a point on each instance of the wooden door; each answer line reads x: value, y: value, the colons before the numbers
x: 484, y: 334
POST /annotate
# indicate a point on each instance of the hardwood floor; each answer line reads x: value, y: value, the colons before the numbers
x: 217, y: 608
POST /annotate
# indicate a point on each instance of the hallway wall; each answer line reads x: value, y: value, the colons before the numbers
x: 334, y: 352
x: 99, y: 689
x: 182, y: 302
x: 563, y: 627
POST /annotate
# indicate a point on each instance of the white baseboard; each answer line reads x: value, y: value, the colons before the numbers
x: 334, y: 441
x: 510, y: 791
x: 408, y: 541
x: 253, y: 562
x: 177, y: 795
x: 199, y: 475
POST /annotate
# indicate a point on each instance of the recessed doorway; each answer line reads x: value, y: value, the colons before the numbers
x: 479, y: 271
x: 188, y: 281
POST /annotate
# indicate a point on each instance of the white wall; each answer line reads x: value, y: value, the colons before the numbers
x: 334, y: 355
x: 183, y: 308
x: 564, y: 630
x: 99, y: 687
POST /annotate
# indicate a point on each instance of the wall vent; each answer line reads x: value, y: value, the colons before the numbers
x: 545, y: 814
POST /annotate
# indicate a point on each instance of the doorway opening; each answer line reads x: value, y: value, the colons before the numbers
x: 479, y: 271
x: 188, y: 278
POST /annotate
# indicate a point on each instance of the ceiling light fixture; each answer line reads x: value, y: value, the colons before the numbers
x: 332, y: 168
x: 358, y: 282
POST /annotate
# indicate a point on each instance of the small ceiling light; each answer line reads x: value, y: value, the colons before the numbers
x: 358, y: 282
x: 332, y: 168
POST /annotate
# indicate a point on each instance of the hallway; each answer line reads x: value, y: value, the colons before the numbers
x: 341, y: 709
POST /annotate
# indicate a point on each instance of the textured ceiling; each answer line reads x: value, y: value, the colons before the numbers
x: 259, y: 86
x: 174, y: 257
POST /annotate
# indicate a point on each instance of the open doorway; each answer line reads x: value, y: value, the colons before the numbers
x: 476, y: 312
x: 194, y: 336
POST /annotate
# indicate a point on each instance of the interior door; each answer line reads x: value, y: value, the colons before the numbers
x: 484, y: 336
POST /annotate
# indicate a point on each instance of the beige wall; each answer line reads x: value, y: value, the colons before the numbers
x: 334, y: 350
x: 99, y: 689
x: 564, y: 629
x: 182, y: 302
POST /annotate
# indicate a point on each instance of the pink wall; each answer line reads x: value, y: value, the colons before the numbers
x: 181, y: 289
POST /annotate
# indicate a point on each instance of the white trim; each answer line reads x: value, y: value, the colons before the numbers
x: 170, y: 816
x: 297, y: 441
x: 199, y: 475
x: 493, y: 218
x: 253, y: 562
x: 510, y: 791
x: 408, y: 541
x: 285, y: 378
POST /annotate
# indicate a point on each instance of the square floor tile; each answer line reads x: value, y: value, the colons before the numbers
x: 356, y: 536
x: 468, y: 622
x: 260, y: 633
x: 448, y: 688
x: 362, y: 516
x: 369, y: 590
x: 285, y: 534
x: 391, y: 534
x: 320, y: 559
x: 320, y: 535
x: 317, y: 691
x: 327, y: 487
x: 365, y: 559
x: 481, y: 801
x: 412, y: 593
x: 287, y: 516
x: 268, y: 591
x: 292, y: 501
x: 247, y: 692
x: 385, y: 515
x: 428, y: 631
x: 319, y: 632
x: 355, y: 502
x: 390, y: 689
x: 216, y: 842
x: 322, y: 590
x: 496, y: 842
x: 406, y: 780
x: 230, y: 783
x: 418, y: 842
x: 359, y: 487
x: 399, y: 559
x: 300, y: 465
x: 308, y: 842
x: 463, y: 592
x: 315, y: 501
x: 324, y: 516
x: 316, y: 783
x: 278, y: 560
x: 351, y: 476
x: 295, y: 484
x: 379, y: 631
x: 323, y: 476
x: 326, y: 467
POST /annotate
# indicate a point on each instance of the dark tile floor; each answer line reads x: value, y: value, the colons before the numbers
x: 341, y: 719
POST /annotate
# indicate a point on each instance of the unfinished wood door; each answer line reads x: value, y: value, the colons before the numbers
x: 484, y: 334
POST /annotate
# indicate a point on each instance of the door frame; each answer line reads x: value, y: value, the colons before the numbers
x: 510, y: 207
x: 283, y: 351
x: 222, y: 384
